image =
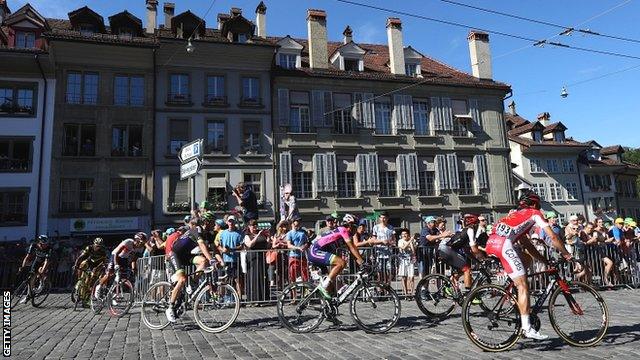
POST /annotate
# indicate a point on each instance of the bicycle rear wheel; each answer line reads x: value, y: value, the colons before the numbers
x: 19, y: 293
x: 39, y: 291
x: 154, y: 304
x: 97, y: 302
x: 120, y: 298
x: 580, y: 317
x: 215, y: 310
x: 435, y: 296
x: 301, y: 308
x: 375, y: 307
x: 494, y: 323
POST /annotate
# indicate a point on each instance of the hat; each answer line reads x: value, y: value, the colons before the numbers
x: 330, y: 218
x: 296, y: 217
x: 550, y: 215
x: 573, y: 217
x: 633, y: 224
x: 619, y: 221
x: 170, y: 231
x: 429, y: 219
x: 628, y: 221
x: 220, y: 222
x: 187, y: 218
x: 232, y: 218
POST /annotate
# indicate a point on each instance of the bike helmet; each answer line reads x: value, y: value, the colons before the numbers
x: 98, y: 241
x: 206, y: 205
x: 140, y: 235
x: 529, y: 199
x: 43, y: 239
x: 208, y: 216
x: 349, y: 219
x: 470, y: 220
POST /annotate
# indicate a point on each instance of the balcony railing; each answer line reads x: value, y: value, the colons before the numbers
x: 178, y: 99
x: 215, y: 100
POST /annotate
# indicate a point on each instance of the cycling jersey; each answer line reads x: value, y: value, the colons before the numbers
x: 321, y: 252
x: 93, y: 256
x: 127, y: 248
x: 40, y: 254
x: 452, y: 250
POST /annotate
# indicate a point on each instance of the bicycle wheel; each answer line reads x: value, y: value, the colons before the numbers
x: 19, y: 293
x: 120, y: 298
x: 154, y: 304
x: 375, y: 307
x: 216, y: 310
x: 580, y: 317
x: 40, y: 291
x: 494, y: 326
x: 76, y: 295
x: 97, y: 302
x: 435, y: 296
x: 301, y: 308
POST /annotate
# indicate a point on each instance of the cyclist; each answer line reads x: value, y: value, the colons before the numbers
x: 90, y: 259
x: 514, y: 228
x: 38, y: 257
x: 319, y: 255
x: 122, y: 257
x: 190, y: 248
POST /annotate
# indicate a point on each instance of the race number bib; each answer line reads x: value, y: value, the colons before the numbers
x: 503, y: 230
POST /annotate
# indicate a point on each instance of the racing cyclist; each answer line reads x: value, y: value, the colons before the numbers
x: 512, y: 229
x: 38, y: 257
x: 122, y: 257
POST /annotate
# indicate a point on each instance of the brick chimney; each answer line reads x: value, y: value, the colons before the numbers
x: 348, y: 35
x: 544, y: 118
x: 261, y: 20
x: 480, y: 54
x: 396, y: 48
x: 169, y: 9
x: 152, y: 15
x: 317, y: 36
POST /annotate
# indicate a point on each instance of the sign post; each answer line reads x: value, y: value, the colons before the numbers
x: 190, y: 156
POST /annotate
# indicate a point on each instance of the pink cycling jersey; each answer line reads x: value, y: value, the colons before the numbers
x: 519, y: 223
x: 340, y: 233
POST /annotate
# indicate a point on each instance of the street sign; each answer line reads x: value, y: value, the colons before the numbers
x: 190, y: 151
x: 189, y: 169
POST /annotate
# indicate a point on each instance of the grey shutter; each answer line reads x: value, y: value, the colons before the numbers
x: 285, y: 168
x: 401, y: 166
x: 328, y: 109
x: 407, y: 112
x: 436, y: 114
x: 330, y: 183
x: 442, y: 179
x: 361, y: 173
x: 481, y: 176
x: 447, y: 114
x: 475, y: 115
x: 373, y: 179
x: 317, y: 108
x: 318, y: 163
x: 396, y: 112
x: 283, y: 107
x: 368, y: 111
x: 412, y: 172
x: 452, y: 165
x: 356, y: 110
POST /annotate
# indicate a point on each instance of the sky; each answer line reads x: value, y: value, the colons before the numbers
x: 604, y: 109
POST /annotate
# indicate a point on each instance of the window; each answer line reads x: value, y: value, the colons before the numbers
x: 86, y: 29
x: 215, y: 89
x: 351, y: 65
x: 536, y: 166
x: 17, y: 99
x: 251, y: 90
x: 342, y: 120
x: 82, y: 88
x: 466, y: 182
x: 411, y: 69
x: 598, y: 182
x: 459, y: 107
x: 555, y: 192
x: 383, y: 117
x: 215, y: 136
x: 299, y: 119
x: 421, y: 117
x: 14, y: 205
x: 558, y: 136
x: 552, y: 166
x: 76, y: 195
x: 15, y: 155
x: 541, y: 190
x: 568, y: 166
x: 302, y: 184
x: 427, y: 183
x: 178, y: 199
x: 287, y: 61
x: 126, y: 140
x: 537, y: 136
x: 241, y: 38
x: 25, y: 39
x: 79, y: 140
x: 388, y: 186
x: 178, y: 135
x: 128, y: 90
x: 126, y: 194
x: 254, y: 180
x: 179, y: 89
x: 347, y: 184
x: 251, y: 136
x: 572, y: 191
x: 217, y: 191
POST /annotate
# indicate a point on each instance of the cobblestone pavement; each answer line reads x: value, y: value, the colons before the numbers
x: 56, y: 331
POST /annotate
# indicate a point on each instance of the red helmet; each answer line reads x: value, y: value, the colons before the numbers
x: 470, y: 220
x: 529, y: 199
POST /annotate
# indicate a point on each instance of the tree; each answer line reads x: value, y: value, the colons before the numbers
x: 633, y: 156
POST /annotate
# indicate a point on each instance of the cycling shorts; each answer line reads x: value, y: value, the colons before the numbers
x: 453, y: 257
x: 181, y: 261
x: 502, y: 248
x: 317, y: 255
x: 117, y: 260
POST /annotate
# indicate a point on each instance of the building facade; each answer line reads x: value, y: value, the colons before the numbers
x: 364, y: 128
x: 27, y: 88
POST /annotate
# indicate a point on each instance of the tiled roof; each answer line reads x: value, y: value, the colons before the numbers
x: 547, y: 142
x: 516, y: 120
x: 610, y: 150
x: 61, y: 29
x: 555, y: 126
x: 211, y: 35
x: 525, y: 128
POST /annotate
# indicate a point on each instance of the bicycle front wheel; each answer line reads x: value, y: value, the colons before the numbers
x: 120, y: 298
x: 580, y: 316
x: 19, y: 293
x: 39, y: 291
x: 216, y: 309
x: 97, y: 302
x: 435, y: 296
x: 301, y: 308
x: 154, y: 305
x: 375, y: 307
x: 76, y: 295
x: 490, y: 319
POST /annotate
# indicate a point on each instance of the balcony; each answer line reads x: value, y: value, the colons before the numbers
x: 179, y: 99
x: 14, y: 165
x: 213, y: 100
x: 11, y: 108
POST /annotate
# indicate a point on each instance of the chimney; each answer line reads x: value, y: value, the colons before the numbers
x: 169, y: 9
x: 236, y: 11
x: 544, y: 118
x: 512, y: 108
x: 222, y: 17
x: 348, y: 35
x: 152, y: 14
x: 261, y: 20
x: 480, y: 54
x: 317, y: 33
x: 396, y: 48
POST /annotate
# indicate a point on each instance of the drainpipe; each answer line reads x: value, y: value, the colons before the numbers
x: 153, y: 143
x: 274, y: 145
x: 42, y: 124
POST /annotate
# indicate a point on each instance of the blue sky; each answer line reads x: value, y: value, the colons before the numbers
x: 605, y: 110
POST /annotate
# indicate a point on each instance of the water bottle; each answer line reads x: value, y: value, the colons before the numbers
x: 342, y: 289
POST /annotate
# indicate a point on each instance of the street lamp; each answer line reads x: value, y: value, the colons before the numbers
x: 190, y: 47
x: 564, y: 93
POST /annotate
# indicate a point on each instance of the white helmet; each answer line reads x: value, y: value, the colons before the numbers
x: 349, y: 219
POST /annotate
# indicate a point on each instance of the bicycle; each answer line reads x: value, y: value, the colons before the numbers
x: 365, y: 294
x: 213, y: 296
x: 81, y: 290
x: 579, y: 304
x: 119, y: 295
x: 32, y: 287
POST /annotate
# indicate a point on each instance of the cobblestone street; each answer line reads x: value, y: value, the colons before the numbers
x: 56, y: 331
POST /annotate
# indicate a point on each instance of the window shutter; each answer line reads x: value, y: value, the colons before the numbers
x: 317, y: 109
x: 285, y: 168
x: 372, y: 172
x: 318, y: 163
x: 484, y: 174
x: 442, y: 180
x: 368, y: 111
x: 283, y: 107
x: 447, y: 114
x: 396, y: 113
x: 475, y: 115
x: 401, y: 166
x: 452, y: 165
x: 412, y: 171
x: 356, y: 110
x: 328, y: 109
x: 361, y: 173
x: 408, y: 112
x: 330, y: 183
x: 436, y: 115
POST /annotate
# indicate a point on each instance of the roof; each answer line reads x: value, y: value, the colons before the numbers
x: 525, y: 128
x: 548, y: 143
x: 211, y: 35
x: 516, y: 120
x: 26, y: 12
x: 554, y: 127
x: 610, y: 150
x: 62, y: 30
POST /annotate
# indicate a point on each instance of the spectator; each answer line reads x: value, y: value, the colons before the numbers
x: 552, y: 219
x: 617, y: 231
x: 247, y: 200
x: 218, y: 228
x: 425, y: 246
x: 383, y: 238
x: 288, y: 207
x: 572, y: 233
x: 298, y: 243
x: 256, y: 282
x: 407, y: 257
x: 278, y: 260
x: 231, y: 242
x: 330, y: 225
x: 361, y: 237
x: 155, y: 246
x: 585, y: 239
x: 604, y: 240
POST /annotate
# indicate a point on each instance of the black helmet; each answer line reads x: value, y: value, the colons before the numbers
x: 529, y: 199
x: 43, y: 239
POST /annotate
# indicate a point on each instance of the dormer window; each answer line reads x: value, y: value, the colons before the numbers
x: 287, y: 61
x: 537, y: 136
x: 86, y: 29
x: 348, y: 57
x: 289, y: 53
x: 351, y: 65
x: 558, y: 136
x: 240, y: 38
x: 593, y: 154
x: 25, y: 39
x: 412, y: 60
x: 411, y: 69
